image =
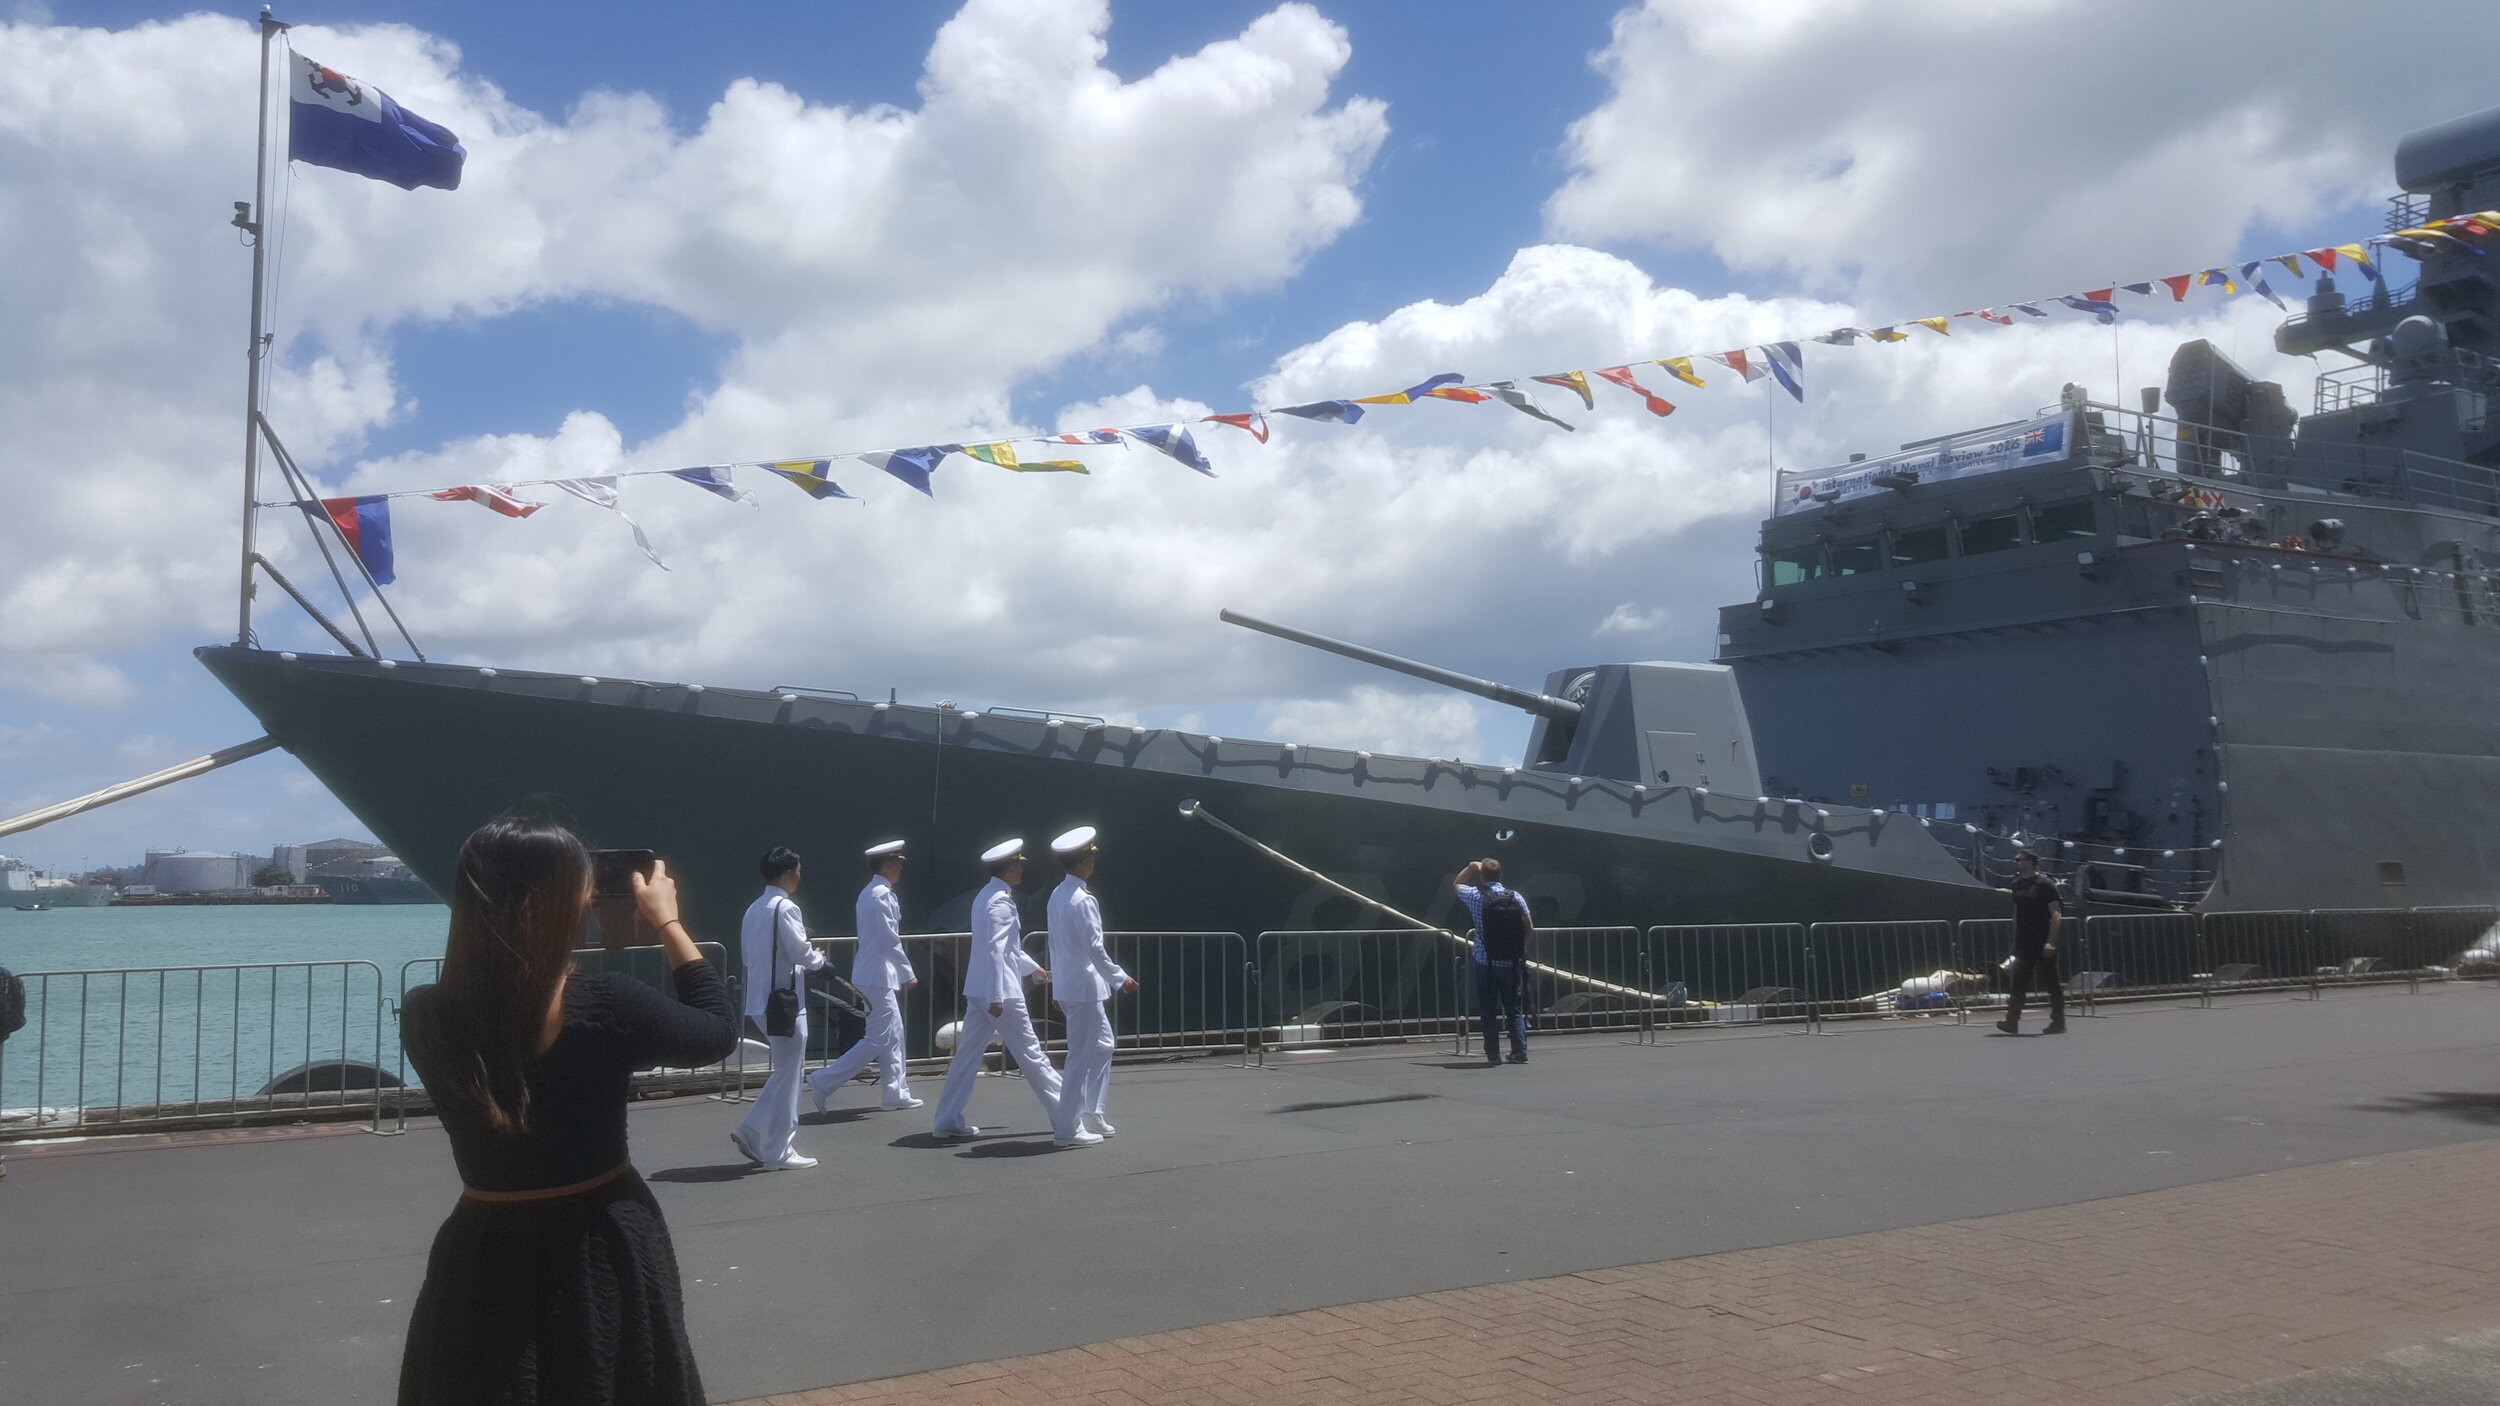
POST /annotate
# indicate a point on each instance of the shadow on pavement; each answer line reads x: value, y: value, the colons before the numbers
x: 2464, y: 1107
x: 719, y: 1171
x: 1350, y: 1103
x: 1021, y: 1147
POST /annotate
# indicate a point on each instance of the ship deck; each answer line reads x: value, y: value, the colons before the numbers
x: 1903, y: 1210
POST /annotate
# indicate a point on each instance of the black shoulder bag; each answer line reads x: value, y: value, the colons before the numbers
x: 781, y: 1004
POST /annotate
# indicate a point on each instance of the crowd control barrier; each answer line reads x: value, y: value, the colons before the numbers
x: 219, y: 1045
x: 226, y: 1045
x: 1736, y: 973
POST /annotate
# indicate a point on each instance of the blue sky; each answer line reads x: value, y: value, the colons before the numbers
x: 1742, y: 172
x: 1480, y: 92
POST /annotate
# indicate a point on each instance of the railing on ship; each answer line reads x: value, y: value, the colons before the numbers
x: 119, y: 1051
x: 2166, y: 444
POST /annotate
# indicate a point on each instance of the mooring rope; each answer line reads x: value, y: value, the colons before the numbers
x: 1192, y: 810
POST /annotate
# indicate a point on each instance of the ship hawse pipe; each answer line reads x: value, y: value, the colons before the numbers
x: 1543, y: 705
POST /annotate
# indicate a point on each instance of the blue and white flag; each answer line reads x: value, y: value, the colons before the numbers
x: 2100, y: 308
x: 335, y: 121
x: 714, y: 478
x: 912, y: 466
x: 1343, y: 412
x: 1174, y: 440
x: 1788, y: 366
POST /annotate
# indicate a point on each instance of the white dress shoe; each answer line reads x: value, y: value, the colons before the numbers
x: 795, y: 1162
x: 1079, y: 1138
x: 1101, y: 1127
x: 907, y: 1102
x: 815, y: 1095
x: 961, y: 1130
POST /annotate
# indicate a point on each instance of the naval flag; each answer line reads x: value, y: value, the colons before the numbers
x: 335, y: 121
x: 365, y: 524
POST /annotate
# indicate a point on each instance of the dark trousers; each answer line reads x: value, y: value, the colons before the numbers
x: 2042, y: 967
x: 1500, y: 1000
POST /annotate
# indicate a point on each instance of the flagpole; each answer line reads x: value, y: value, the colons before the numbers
x: 252, y: 222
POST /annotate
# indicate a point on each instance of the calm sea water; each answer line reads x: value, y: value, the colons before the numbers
x: 197, y: 1005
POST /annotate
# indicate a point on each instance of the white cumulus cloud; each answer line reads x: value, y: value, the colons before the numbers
x: 1963, y: 149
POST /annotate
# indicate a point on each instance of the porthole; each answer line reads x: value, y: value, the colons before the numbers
x: 1819, y: 845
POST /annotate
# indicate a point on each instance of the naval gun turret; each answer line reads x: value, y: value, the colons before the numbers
x: 1658, y: 724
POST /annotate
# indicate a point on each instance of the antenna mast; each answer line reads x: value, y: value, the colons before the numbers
x: 251, y: 219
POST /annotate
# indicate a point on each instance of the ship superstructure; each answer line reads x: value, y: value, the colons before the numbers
x: 2140, y: 636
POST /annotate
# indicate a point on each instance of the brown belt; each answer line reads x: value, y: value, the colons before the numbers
x: 550, y: 1193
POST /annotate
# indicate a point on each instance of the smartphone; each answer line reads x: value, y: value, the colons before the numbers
x: 612, y: 871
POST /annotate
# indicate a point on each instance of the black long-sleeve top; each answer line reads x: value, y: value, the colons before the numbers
x: 612, y: 1026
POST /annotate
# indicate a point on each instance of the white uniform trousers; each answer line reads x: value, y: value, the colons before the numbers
x: 1014, y: 1030
x: 774, y: 1115
x: 883, y: 1043
x: 1088, y: 1074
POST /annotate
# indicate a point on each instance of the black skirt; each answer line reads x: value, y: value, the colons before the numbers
x: 562, y: 1301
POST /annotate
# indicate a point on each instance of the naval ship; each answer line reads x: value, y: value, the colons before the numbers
x: 2203, y: 652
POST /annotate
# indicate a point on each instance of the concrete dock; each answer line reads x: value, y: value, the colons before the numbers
x: 2167, y: 1204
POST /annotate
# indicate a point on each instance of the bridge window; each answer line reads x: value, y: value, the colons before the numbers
x: 1991, y: 534
x: 1919, y: 545
x: 2061, y: 522
x: 1850, y: 558
x: 1787, y: 568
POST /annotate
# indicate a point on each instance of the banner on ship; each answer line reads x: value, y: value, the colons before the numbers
x: 2043, y: 441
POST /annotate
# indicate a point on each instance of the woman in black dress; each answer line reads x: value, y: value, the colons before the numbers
x: 553, y: 1280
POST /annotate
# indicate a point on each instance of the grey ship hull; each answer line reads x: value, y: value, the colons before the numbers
x: 711, y: 778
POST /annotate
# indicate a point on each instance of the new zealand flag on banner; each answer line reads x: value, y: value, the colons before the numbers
x: 335, y: 121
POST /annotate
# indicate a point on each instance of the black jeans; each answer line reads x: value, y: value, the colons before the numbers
x: 2040, y: 966
x: 1500, y: 1002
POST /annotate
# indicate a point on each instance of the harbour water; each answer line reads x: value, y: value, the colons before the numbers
x: 100, y: 939
x: 203, y: 1005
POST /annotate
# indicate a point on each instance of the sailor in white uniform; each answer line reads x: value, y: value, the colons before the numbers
x: 994, y: 982
x: 1084, y: 979
x: 882, y: 973
x: 772, y: 942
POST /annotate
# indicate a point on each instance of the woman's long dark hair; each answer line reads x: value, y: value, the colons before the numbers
x: 516, y: 916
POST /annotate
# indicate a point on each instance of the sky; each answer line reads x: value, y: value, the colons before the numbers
x: 759, y: 231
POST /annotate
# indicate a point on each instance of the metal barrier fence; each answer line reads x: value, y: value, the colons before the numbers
x: 2133, y: 956
x: 257, y: 1042
x: 118, y: 1050
x: 1594, y: 979
x: 1856, y: 970
x: 1737, y: 973
x: 1316, y: 988
x: 1197, y: 992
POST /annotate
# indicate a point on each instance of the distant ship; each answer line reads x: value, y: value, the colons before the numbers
x: 2224, y: 658
x: 24, y: 889
x: 377, y: 881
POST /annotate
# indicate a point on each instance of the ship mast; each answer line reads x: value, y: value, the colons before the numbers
x: 251, y: 219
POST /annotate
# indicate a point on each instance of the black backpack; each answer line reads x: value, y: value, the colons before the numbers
x: 12, y: 1003
x: 1505, y: 926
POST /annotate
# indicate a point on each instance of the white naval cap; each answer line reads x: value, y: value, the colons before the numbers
x: 1076, y: 841
x: 881, y: 851
x: 1003, y: 850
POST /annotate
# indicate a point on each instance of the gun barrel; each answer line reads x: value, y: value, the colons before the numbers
x: 1543, y: 705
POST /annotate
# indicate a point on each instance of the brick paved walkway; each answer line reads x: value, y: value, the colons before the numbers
x: 2160, y: 1297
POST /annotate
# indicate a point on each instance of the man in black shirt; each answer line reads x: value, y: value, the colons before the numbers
x: 2038, y: 913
